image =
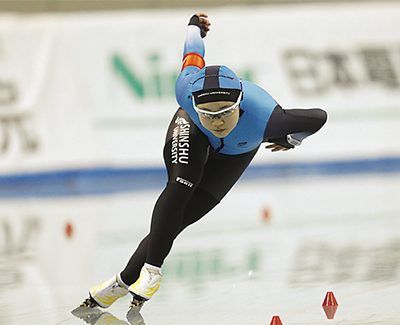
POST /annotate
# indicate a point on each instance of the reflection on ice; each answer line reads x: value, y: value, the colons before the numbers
x: 231, y: 266
x: 97, y: 317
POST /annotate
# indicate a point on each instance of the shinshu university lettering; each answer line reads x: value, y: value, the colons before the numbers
x: 180, y: 142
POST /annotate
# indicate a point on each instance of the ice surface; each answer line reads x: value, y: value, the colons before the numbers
x: 270, y: 248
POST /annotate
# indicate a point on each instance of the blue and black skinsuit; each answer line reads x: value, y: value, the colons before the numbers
x: 202, y: 168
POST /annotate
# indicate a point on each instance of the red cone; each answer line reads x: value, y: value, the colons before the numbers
x: 276, y: 321
x: 330, y: 305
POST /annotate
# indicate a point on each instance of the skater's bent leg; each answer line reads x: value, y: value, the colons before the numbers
x: 199, y: 204
x: 132, y: 270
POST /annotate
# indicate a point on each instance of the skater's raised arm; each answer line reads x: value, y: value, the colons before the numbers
x: 193, y: 53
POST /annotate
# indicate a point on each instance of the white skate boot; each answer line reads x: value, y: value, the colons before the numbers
x: 103, y: 295
x: 146, y: 286
x: 109, y: 291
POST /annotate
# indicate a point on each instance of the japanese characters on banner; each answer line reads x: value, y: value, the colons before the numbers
x: 80, y: 90
x: 44, y: 118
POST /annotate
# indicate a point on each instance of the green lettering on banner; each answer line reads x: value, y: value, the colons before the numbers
x: 156, y: 84
x: 128, y: 76
x: 154, y: 59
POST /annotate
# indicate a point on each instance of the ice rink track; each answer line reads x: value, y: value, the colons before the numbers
x: 256, y: 255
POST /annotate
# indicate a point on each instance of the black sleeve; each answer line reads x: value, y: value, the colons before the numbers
x: 288, y: 121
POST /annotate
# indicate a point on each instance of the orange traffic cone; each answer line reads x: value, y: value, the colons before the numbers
x: 330, y: 305
x: 276, y: 321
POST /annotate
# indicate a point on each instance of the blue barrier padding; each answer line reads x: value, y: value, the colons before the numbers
x: 325, y: 168
x: 108, y: 180
x: 81, y: 182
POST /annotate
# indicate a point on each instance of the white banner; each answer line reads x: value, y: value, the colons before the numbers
x: 46, y: 122
x: 95, y: 89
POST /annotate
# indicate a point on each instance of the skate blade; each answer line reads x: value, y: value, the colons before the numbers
x: 102, y: 318
x: 85, y: 311
x: 88, y: 315
x: 87, y: 308
x: 134, y: 317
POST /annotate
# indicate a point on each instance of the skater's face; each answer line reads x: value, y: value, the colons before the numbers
x: 219, y: 124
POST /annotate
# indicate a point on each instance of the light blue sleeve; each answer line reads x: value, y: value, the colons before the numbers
x: 193, y: 44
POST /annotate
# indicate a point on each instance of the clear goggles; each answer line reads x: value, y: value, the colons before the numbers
x: 224, y: 113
